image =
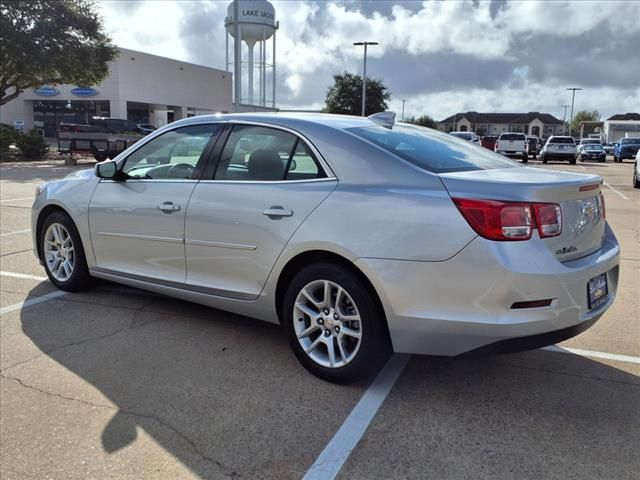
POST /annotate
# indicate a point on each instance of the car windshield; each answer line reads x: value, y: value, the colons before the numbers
x: 434, y: 151
x: 463, y: 135
x: 512, y: 136
x: 561, y: 140
x: 630, y: 141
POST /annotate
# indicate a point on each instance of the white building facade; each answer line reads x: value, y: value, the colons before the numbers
x: 620, y: 126
x: 140, y: 87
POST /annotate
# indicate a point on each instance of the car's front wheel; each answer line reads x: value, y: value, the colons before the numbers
x: 62, y: 253
x: 334, y: 324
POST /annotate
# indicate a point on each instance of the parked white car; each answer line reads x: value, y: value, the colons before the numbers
x: 513, y: 145
x: 559, y: 148
x: 636, y: 171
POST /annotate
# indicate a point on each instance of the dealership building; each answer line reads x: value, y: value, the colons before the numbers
x: 140, y: 87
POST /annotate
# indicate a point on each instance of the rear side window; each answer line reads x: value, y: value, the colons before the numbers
x: 512, y: 136
x: 630, y: 141
x: 434, y: 151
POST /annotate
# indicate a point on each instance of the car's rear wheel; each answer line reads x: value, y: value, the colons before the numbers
x: 62, y: 253
x: 572, y: 161
x: 525, y: 158
x: 334, y: 325
x: 636, y: 180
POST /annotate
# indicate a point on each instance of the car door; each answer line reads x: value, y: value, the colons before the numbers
x: 240, y: 217
x: 137, y: 223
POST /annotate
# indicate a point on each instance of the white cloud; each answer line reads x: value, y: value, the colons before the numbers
x: 315, y: 41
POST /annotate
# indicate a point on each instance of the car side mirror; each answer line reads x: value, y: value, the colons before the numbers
x: 293, y: 165
x: 107, y: 169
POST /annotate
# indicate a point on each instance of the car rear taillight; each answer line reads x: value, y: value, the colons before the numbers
x: 548, y: 219
x: 604, y: 210
x: 510, y: 221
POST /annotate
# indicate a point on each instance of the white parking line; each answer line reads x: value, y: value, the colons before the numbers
x: 593, y: 354
x: 17, y: 232
x: 620, y: 194
x: 31, y: 301
x: 328, y: 464
x: 606, y: 184
x: 15, y: 199
x: 22, y: 275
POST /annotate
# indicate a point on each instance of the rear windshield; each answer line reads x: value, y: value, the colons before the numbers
x: 562, y: 140
x: 593, y: 146
x: 432, y: 150
x: 630, y: 141
x: 589, y: 142
x: 512, y: 136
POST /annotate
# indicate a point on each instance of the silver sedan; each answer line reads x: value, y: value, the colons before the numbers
x: 360, y: 236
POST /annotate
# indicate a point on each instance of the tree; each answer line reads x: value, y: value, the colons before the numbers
x: 424, y: 120
x: 345, y: 96
x: 44, y: 42
x: 583, y: 116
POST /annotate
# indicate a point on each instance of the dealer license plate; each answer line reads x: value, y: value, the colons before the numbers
x: 598, y: 291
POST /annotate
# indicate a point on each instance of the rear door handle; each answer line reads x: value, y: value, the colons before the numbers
x: 169, y: 207
x: 277, y: 212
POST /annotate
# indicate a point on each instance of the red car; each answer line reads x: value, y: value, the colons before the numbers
x: 489, y: 142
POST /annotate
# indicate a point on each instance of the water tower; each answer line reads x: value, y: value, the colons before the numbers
x: 256, y: 24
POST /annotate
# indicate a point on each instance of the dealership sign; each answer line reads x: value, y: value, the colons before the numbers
x: 46, y: 91
x: 84, y: 91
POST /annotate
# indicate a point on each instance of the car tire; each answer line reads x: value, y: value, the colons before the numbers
x: 313, y: 333
x: 525, y: 158
x: 636, y: 180
x: 572, y: 161
x: 62, y: 253
x: 100, y: 156
x: 544, y: 159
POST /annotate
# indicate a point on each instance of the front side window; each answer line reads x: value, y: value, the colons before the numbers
x: 254, y: 153
x: 434, y: 151
x: 173, y: 155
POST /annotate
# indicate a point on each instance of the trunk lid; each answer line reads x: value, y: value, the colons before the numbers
x: 579, y: 197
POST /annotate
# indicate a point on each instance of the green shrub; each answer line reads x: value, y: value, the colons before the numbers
x: 32, y: 145
x: 8, y: 136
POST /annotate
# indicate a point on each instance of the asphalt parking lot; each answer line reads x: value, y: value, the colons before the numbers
x: 118, y: 383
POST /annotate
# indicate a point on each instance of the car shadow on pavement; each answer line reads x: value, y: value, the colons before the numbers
x: 224, y: 395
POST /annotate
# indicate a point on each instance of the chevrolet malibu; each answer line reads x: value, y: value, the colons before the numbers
x: 360, y: 236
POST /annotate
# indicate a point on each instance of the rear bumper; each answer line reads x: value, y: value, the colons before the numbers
x: 464, y: 304
x: 559, y: 156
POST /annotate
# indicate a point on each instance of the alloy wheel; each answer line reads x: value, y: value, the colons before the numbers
x: 59, y: 252
x: 327, y: 323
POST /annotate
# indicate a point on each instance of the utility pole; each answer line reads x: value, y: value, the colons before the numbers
x: 564, y: 119
x: 364, y: 72
x: 403, y: 100
x: 573, y: 97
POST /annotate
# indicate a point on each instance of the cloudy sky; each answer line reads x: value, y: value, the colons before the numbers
x: 442, y: 57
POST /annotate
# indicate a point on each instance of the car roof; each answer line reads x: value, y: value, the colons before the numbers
x: 284, y: 119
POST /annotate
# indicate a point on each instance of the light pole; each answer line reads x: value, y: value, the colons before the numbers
x: 564, y: 119
x: 364, y: 72
x: 573, y: 97
x: 403, y: 100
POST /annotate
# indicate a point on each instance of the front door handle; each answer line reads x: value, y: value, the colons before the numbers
x: 277, y: 212
x: 169, y: 207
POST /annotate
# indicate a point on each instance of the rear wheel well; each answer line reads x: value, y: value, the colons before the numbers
x: 44, y: 213
x: 321, y: 256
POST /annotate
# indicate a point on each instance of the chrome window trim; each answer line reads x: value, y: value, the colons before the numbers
x: 149, y: 180
x: 330, y: 174
x: 235, y: 182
